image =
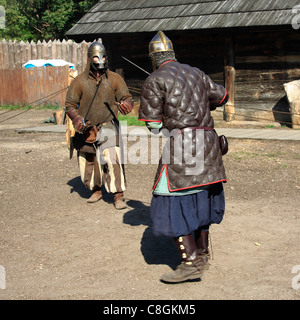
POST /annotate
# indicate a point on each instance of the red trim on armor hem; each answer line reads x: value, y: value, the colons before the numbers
x: 180, y: 189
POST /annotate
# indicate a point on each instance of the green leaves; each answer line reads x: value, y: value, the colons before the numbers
x: 41, y: 19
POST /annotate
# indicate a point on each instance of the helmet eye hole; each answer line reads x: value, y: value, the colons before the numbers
x: 97, y: 56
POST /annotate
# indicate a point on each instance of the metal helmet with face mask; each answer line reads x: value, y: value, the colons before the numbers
x: 160, y: 50
x: 97, y: 49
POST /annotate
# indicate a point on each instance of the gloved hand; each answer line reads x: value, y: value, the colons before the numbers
x: 125, y: 106
x: 78, y: 124
x: 77, y: 121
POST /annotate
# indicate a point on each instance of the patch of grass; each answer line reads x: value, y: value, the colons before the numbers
x: 243, y: 155
x: 131, y: 120
x: 28, y: 107
x: 247, y: 154
x: 49, y: 107
x: 274, y: 155
x: 296, y: 156
x: 11, y: 107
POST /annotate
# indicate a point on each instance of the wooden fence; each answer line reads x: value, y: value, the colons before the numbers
x: 39, y: 85
x: 14, y: 54
x: 34, y: 86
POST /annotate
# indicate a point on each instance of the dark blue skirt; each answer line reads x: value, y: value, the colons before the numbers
x: 176, y: 216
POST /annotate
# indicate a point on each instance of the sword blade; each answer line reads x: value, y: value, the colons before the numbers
x: 136, y: 65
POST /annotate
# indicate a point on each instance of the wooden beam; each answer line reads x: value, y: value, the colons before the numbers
x: 229, y: 72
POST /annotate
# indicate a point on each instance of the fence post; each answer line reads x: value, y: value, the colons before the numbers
x: 49, y: 50
x: 33, y: 50
x: 24, y: 53
x: 44, y: 50
x: 70, y: 50
x: 64, y: 50
x: 10, y: 54
x: 58, y: 49
x: 38, y: 49
x: 79, y: 58
x: 16, y: 56
x: 1, y: 55
x: 27, y: 52
x: 5, y: 54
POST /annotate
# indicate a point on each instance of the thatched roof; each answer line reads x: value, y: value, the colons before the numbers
x: 126, y: 16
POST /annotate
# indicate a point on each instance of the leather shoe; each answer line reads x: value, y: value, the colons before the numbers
x: 96, y: 196
x: 119, y: 201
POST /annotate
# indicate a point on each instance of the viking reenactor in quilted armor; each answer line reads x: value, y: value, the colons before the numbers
x: 93, y: 100
x: 188, y: 196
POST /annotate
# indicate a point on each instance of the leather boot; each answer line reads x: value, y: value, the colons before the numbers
x: 192, y: 265
x: 96, y: 196
x: 202, y: 243
x: 119, y: 201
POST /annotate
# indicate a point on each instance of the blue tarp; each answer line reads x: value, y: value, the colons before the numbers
x: 45, y: 63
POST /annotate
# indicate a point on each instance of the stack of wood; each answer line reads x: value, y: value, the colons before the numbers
x: 292, y: 90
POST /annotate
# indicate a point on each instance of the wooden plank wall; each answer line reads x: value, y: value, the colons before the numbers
x: 12, y: 88
x: 264, y: 61
x: 202, y: 51
x: 34, y: 86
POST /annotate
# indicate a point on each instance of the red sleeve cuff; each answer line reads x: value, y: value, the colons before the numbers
x: 224, y: 97
x: 149, y: 120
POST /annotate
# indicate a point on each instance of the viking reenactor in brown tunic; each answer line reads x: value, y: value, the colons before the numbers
x: 92, y: 103
x: 188, y: 195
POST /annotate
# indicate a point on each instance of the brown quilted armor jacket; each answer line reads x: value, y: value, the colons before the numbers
x: 181, y: 97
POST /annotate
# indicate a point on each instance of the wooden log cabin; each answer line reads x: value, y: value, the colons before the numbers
x: 251, y: 47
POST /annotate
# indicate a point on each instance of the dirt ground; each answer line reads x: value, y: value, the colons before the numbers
x: 54, y: 245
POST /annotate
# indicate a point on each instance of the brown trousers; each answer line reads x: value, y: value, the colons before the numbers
x: 106, y: 170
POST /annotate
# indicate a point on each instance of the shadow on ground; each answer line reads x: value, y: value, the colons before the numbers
x: 77, y: 186
x: 155, y: 249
